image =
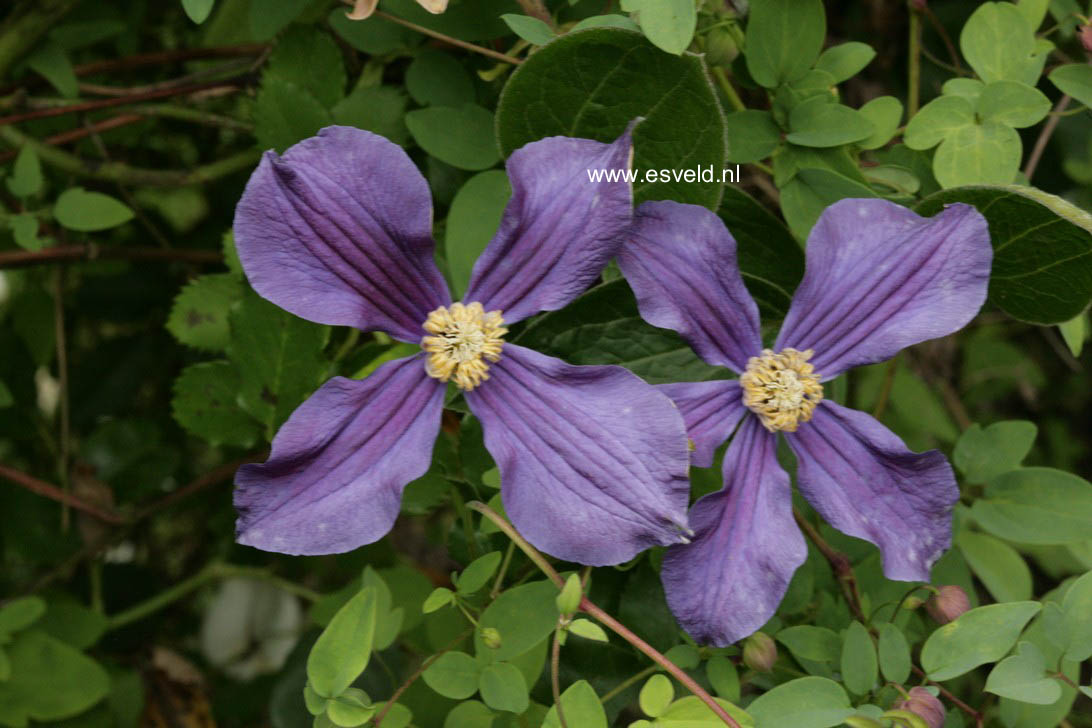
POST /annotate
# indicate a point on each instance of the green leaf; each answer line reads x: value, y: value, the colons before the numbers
x: 26, y: 177
x: 603, y: 326
x: 6, y: 400
x: 466, y: 19
x: 981, y: 635
x: 204, y: 403
x: 503, y: 688
x: 1012, y: 103
x: 819, y: 123
x: 462, y: 137
x: 477, y: 572
x: 52, y: 63
x: 937, y: 120
x: 316, y: 704
x: 1042, y: 266
x: 471, y: 714
x: 524, y: 616
x: 83, y: 211
x: 691, y: 712
x: 284, y: 114
x: 1074, y: 79
x: 997, y: 565
x: 656, y: 695
x: 378, y: 109
x: 894, y: 653
x: 606, y: 21
x: 73, y: 624
x: 350, y: 709
x: 1023, y: 677
x: 24, y: 229
x: 983, y: 454
x: 1036, y: 505
x: 532, y: 30
x: 279, y: 359
x: 198, y: 10
x: 588, y: 630
x: 1075, y: 331
x: 846, y: 60
x: 1077, y: 619
x: 568, y: 599
x: 49, y: 680
x: 435, y: 78
x: 669, y: 24
x: 199, y: 316
x: 752, y: 135
x: 811, y: 191
x: 581, y: 707
x: 1033, y: 11
x: 807, y: 642
x: 398, y: 716
x: 884, y: 113
x: 18, y: 614
x: 472, y: 221
x: 268, y: 17
x: 454, y: 675
x: 723, y: 676
x: 978, y: 154
x: 344, y: 648
x: 968, y: 88
x: 807, y: 702
x: 438, y: 599
x: 623, y: 77
x: 309, y: 59
x: 784, y: 38
x: 999, y: 44
x: 859, y: 664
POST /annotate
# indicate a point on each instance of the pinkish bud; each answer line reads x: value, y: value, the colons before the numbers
x: 925, y: 705
x: 759, y: 652
x: 1086, y: 37
x: 947, y: 604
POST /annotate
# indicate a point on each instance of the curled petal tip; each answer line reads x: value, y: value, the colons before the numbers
x: 362, y: 9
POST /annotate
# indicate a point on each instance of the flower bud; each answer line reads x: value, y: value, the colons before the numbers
x: 759, y: 652
x: 947, y: 604
x: 913, y: 603
x: 491, y: 637
x: 720, y: 47
x: 1085, y: 34
x: 925, y: 705
x: 568, y: 601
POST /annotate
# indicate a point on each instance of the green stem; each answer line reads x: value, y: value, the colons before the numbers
x: 728, y: 89
x: 914, y: 80
x: 464, y: 517
x: 555, y: 676
x: 503, y: 570
x: 211, y: 572
x: 885, y: 390
x: 625, y: 684
x: 121, y: 172
x: 610, y: 622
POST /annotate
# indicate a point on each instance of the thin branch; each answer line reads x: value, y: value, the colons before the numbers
x: 62, y: 379
x: 943, y: 33
x: 977, y: 716
x: 555, y: 675
x: 839, y: 563
x: 614, y: 625
x: 885, y: 389
x: 416, y: 674
x: 448, y: 39
x: 90, y: 252
x: 34, y: 485
x: 209, y: 479
x: 130, y: 91
x: 73, y: 135
x: 121, y: 172
x: 913, y: 81
x: 1044, y: 136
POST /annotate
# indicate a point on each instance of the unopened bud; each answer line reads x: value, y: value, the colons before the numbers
x: 568, y: 601
x: 759, y: 652
x: 491, y: 637
x: 925, y: 705
x: 1085, y: 34
x: 720, y: 47
x: 913, y: 603
x: 947, y: 604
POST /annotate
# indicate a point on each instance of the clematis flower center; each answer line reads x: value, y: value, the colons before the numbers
x: 462, y: 339
x: 782, y: 389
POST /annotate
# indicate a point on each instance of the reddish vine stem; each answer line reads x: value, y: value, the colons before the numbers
x: 232, y: 84
x: 614, y: 625
x: 1044, y: 136
x: 77, y: 134
x: 90, y: 251
x: 416, y: 674
x: 839, y: 563
x: 34, y: 485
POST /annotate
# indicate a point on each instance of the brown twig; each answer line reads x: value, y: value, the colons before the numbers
x: 839, y: 563
x: 90, y: 251
x: 188, y: 79
x: 76, y: 134
x: 496, y: 55
x: 62, y: 379
x: 1044, y: 136
x: 954, y: 404
x: 211, y: 478
x: 52, y: 492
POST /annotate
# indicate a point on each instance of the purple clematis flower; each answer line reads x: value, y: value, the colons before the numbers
x: 878, y: 278
x: 338, y: 230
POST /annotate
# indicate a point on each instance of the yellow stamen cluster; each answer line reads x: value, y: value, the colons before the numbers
x: 462, y: 339
x: 782, y: 389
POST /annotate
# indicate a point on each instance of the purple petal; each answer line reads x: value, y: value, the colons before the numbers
x: 339, y: 231
x: 593, y: 460
x: 559, y: 229
x: 862, y: 478
x: 335, y: 477
x: 880, y: 278
x: 711, y: 410
x: 680, y: 261
x: 729, y: 581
